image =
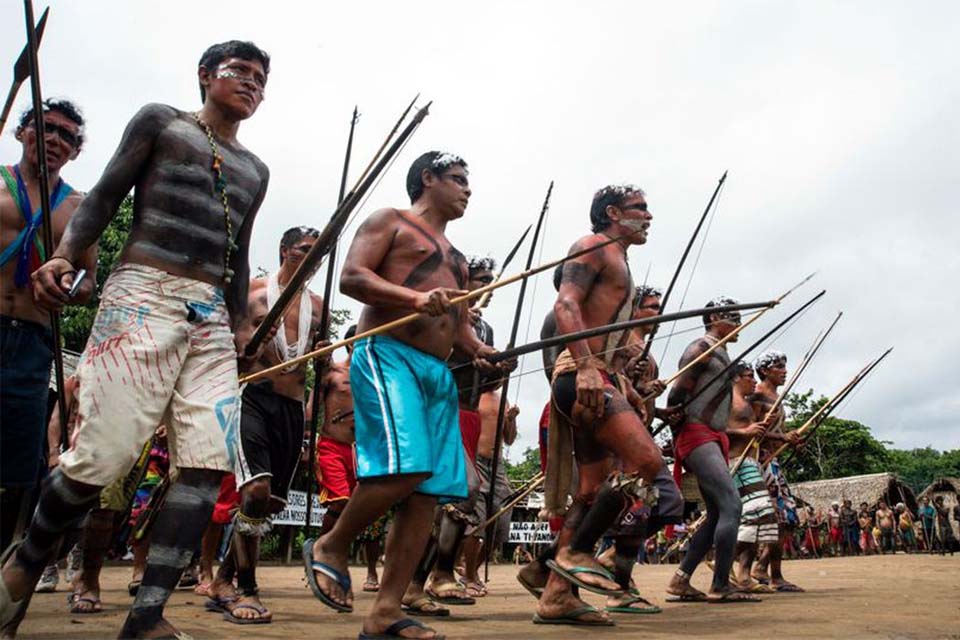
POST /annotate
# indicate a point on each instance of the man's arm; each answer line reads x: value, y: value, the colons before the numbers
x: 686, y: 383
x: 576, y: 282
x: 510, y: 425
x: 100, y: 205
x: 236, y: 294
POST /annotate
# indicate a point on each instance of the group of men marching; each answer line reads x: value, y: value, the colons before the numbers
x: 410, y: 418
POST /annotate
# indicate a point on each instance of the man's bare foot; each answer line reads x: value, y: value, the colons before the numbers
x: 85, y: 598
x: 681, y: 590
x: 248, y: 608
x: 328, y: 585
x: 569, y: 559
x: 558, y: 604
x: 730, y: 594
x: 760, y: 576
x: 785, y: 586
x: 163, y: 629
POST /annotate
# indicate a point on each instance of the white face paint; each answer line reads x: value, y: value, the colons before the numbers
x: 633, y: 224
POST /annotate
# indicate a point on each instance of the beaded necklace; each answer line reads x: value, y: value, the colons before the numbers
x: 220, y: 184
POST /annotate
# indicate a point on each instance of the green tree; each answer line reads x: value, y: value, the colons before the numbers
x: 528, y: 466
x: 838, y: 448
x: 919, y: 467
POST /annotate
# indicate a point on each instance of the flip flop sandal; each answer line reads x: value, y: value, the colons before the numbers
x: 754, y: 588
x: 216, y: 604
x: 455, y: 600
x: 311, y: 566
x: 570, y: 575
x: 419, y: 607
x: 789, y: 587
x: 733, y: 597
x: 574, y: 617
x: 202, y: 589
x: 625, y: 606
x: 371, y: 586
x: 230, y: 617
x: 96, y: 606
x: 476, y: 589
x: 393, y: 631
x: 699, y: 596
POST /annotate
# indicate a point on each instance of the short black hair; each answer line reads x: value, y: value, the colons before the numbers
x: 646, y: 291
x: 477, y: 264
x: 61, y: 106
x: 293, y: 235
x: 612, y: 194
x: 244, y: 50
x: 719, y: 301
x: 742, y: 367
x: 436, y: 162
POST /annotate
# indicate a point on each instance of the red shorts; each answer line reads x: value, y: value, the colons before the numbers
x: 470, y: 432
x: 227, y: 500
x: 544, y: 434
x: 336, y: 470
x: 835, y: 535
x: 691, y: 436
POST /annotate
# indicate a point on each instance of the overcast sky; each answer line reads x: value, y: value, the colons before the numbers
x: 836, y: 121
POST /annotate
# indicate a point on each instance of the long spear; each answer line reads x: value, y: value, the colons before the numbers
x: 832, y: 407
x: 21, y: 69
x: 724, y: 340
x: 329, y: 235
x: 502, y: 411
x: 683, y: 259
x: 744, y: 354
x: 48, y: 246
x: 553, y: 341
x: 467, y: 297
x: 807, y: 359
x: 325, y: 328
x: 859, y: 376
x: 484, y: 299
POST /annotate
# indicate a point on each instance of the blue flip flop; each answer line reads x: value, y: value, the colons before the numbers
x: 310, y: 566
x: 570, y: 575
x: 393, y: 631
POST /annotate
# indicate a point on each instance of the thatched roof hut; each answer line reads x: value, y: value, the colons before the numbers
x: 868, y: 488
x: 949, y: 488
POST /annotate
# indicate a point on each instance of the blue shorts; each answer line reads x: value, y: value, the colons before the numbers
x: 406, y: 417
x: 26, y: 352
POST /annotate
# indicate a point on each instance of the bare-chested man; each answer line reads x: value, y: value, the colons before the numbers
x: 758, y: 520
x: 271, y: 428
x: 597, y: 407
x: 771, y: 368
x: 701, y: 445
x: 25, y: 334
x: 409, y: 448
x: 162, y: 343
x: 886, y: 521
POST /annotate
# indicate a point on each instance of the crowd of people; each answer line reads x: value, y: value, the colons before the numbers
x: 181, y: 411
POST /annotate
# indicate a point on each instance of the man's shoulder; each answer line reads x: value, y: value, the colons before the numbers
x: 157, y: 114
x: 383, y: 218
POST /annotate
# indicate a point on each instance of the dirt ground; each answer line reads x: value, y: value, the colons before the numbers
x: 898, y: 597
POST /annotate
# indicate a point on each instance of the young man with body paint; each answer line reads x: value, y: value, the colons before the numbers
x: 25, y: 333
x: 758, y: 519
x: 409, y: 448
x: 596, y: 408
x: 271, y: 428
x: 771, y: 368
x: 701, y: 445
x: 162, y: 344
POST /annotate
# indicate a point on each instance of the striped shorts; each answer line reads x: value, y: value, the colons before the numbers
x: 758, y: 520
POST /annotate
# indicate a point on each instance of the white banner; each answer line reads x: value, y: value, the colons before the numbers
x: 530, y: 533
x: 296, y: 512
